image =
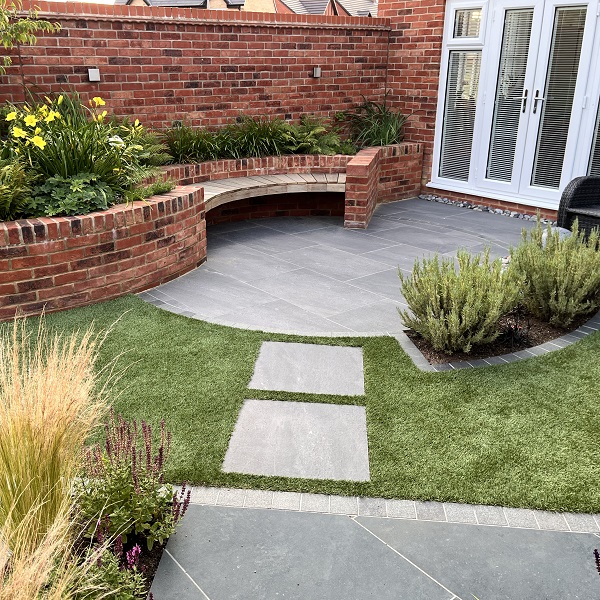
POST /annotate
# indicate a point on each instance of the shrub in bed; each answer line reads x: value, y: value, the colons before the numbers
x: 561, y: 274
x: 457, y: 308
x: 123, y: 486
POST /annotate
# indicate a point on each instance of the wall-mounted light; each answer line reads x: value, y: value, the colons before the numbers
x: 316, y: 72
x: 94, y: 74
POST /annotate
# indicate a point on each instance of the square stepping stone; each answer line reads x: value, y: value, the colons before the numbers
x: 300, y: 439
x: 309, y: 368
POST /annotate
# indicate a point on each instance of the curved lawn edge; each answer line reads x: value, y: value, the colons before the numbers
x: 419, y: 360
x: 518, y: 435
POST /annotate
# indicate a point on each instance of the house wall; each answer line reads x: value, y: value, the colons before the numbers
x: 205, y: 67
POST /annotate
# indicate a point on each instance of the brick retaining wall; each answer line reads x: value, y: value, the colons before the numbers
x: 56, y: 263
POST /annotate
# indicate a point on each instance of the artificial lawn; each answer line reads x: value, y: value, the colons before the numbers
x: 524, y: 434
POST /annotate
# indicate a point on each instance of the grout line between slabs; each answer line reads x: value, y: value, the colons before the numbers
x: 187, y: 574
x: 410, y: 562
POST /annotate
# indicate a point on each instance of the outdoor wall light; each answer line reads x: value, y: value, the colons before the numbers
x: 94, y: 74
x: 316, y: 72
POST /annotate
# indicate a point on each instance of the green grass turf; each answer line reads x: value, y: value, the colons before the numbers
x: 524, y: 434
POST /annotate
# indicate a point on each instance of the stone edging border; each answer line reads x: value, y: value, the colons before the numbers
x: 563, y: 341
x: 442, y: 512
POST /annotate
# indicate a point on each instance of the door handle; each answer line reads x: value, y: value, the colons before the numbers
x: 524, y: 101
x: 537, y: 99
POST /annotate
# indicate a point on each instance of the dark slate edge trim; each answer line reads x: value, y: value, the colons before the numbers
x: 591, y: 326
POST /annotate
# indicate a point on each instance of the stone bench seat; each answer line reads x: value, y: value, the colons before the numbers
x: 221, y: 191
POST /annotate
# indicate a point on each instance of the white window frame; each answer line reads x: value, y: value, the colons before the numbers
x: 449, y: 44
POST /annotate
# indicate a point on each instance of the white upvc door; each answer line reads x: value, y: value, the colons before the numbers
x: 558, y: 97
x: 523, y: 94
x: 512, y: 54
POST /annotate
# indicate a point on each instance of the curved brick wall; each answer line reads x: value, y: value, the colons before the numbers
x: 56, y: 263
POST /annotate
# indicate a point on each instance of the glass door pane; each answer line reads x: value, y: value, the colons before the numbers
x: 462, y: 88
x: 510, y: 101
x: 594, y: 164
x: 556, y: 101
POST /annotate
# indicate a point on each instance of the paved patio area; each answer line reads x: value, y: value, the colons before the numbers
x: 309, y: 275
x: 308, y: 552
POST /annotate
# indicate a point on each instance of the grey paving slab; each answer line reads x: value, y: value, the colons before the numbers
x: 282, y: 317
x: 287, y: 500
x: 240, y: 554
x: 344, y: 505
x: 231, y: 497
x: 551, y: 520
x: 170, y: 578
x: 490, y: 515
x: 309, y: 368
x: 581, y: 522
x: 434, y: 241
x: 315, y: 292
x: 430, y: 511
x: 268, y: 240
x: 371, y: 507
x: 460, y: 513
x: 386, y: 283
x: 401, y: 509
x: 496, y: 563
x: 300, y: 439
x: 344, y: 239
x: 315, y: 503
x: 258, y: 499
x: 246, y: 264
x: 380, y: 317
x: 399, y: 255
x: 337, y: 264
x: 299, y: 224
x: 521, y: 517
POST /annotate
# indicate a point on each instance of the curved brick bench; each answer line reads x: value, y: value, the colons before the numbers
x: 217, y: 193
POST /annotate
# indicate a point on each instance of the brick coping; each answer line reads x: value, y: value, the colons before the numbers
x: 419, y: 360
x: 358, y: 506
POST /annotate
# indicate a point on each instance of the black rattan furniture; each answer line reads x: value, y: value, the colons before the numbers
x: 581, y: 201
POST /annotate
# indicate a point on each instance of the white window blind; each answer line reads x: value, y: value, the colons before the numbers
x: 569, y: 23
x: 467, y: 23
x: 462, y: 86
x: 508, y: 102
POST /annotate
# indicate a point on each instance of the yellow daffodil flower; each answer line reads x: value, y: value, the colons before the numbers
x: 98, y: 101
x: 51, y: 116
x: 48, y: 100
x: 38, y: 141
x: 11, y: 116
x: 18, y: 133
x: 136, y: 123
x: 37, y: 131
x: 60, y: 99
x: 43, y: 109
x: 30, y: 121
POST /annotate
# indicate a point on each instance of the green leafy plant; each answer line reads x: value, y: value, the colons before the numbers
x: 152, y: 189
x: 457, y: 309
x: 111, y: 570
x: 374, y: 123
x: 312, y: 136
x: 14, y: 189
x: 255, y: 136
x: 561, y: 274
x: 16, y: 29
x: 123, y: 485
x: 187, y: 144
x: 75, y: 195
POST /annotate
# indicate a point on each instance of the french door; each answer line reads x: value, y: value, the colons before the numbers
x: 519, y: 115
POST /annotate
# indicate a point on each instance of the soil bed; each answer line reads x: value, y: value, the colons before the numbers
x: 149, y: 559
x: 533, y: 332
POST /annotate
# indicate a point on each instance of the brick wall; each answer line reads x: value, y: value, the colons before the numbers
x: 329, y: 204
x: 400, y: 172
x: 205, y: 67
x: 62, y: 262
x: 414, y: 66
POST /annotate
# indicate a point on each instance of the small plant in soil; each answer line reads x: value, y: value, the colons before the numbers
x: 516, y: 328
